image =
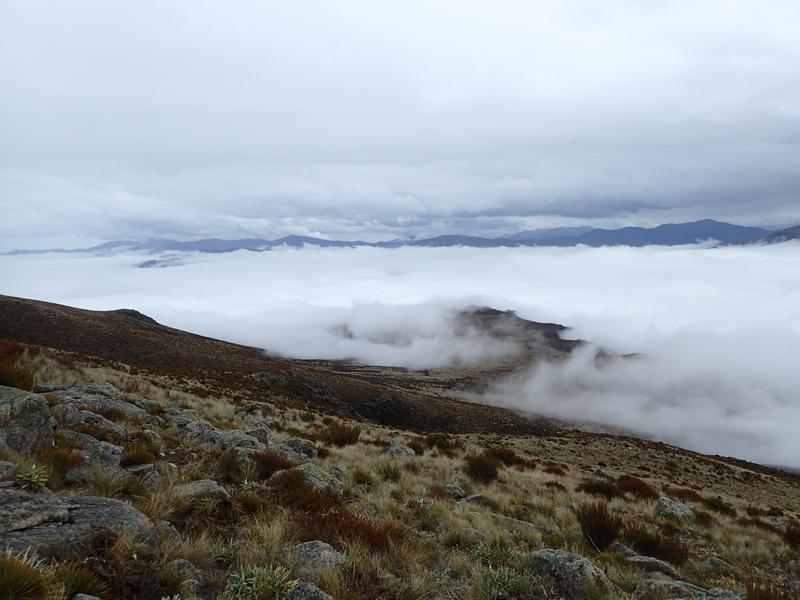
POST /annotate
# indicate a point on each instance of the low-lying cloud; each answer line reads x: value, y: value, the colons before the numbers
x: 717, y: 330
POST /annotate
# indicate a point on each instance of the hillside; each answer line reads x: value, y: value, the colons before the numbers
x: 154, y: 463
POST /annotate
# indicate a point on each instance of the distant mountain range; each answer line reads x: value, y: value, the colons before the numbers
x: 671, y: 234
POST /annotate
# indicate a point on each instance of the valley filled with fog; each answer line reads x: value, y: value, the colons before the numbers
x: 717, y: 329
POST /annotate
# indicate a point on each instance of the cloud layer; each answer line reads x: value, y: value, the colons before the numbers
x: 718, y: 329
x: 196, y: 119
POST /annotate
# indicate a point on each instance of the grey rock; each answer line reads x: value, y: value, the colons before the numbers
x: 148, y: 474
x: 7, y: 470
x: 53, y: 525
x: 166, y: 531
x: 255, y: 418
x: 26, y: 423
x: 310, y: 559
x: 650, y: 564
x: 190, y: 577
x: 302, y: 446
x: 722, y: 594
x: 307, y: 591
x: 622, y: 549
x: 202, y: 488
x: 207, y: 434
x: 262, y: 434
x: 669, y: 508
x: 85, y: 597
x: 317, y: 478
x: 398, y: 448
x: 180, y: 417
x: 46, y: 388
x: 98, y: 457
x: 99, y: 397
x: 575, y: 576
x: 455, y: 492
x: 717, y: 564
x: 90, y: 423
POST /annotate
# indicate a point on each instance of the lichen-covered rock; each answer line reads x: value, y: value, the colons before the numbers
x: 338, y: 471
x: 53, y: 525
x: 202, y: 488
x: 207, y: 434
x: 302, y: 446
x: 317, y: 478
x: 98, y: 457
x: 310, y: 559
x: 455, y: 491
x: 575, y: 576
x: 101, y: 398
x: 398, y: 448
x: 306, y: 591
x: 90, y: 423
x: 717, y: 564
x: 669, y: 508
x: 26, y: 423
x: 680, y: 590
x: 650, y: 564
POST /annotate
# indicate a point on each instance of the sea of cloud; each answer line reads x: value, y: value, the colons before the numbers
x: 717, y: 329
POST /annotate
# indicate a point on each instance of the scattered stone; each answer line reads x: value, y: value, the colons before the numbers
x: 255, y: 418
x: 190, y: 577
x: 398, y: 448
x: 622, y: 549
x: 454, y: 491
x: 262, y: 434
x: 307, y: 591
x: 26, y: 423
x: 722, y: 566
x: 669, y: 508
x: 650, y: 564
x: 53, y: 525
x: 575, y: 576
x: 8, y: 470
x: 310, y: 559
x: 670, y: 589
x: 201, y: 488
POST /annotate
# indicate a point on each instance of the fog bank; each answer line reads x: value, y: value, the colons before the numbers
x: 719, y: 329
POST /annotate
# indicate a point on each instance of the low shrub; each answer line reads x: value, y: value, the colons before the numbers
x: 600, y: 487
x: 599, y: 525
x: 137, y: 453
x: 361, y: 477
x: 81, y: 580
x: 269, y: 462
x: 703, y: 518
x: 792, y: 535
x: 58, y: 462
x: 758, y: 523
x: 685, y: 494
x: 657, y: 545
x: 507, y: 456
x: 338, y: 526
x: 555, y: 485
x: 442, y: 441
x: 554, y: 468
x: 290, y: 489
x: 767, y: 591
x: 16, y: 377
x: 229, y: 467
x: 248, y: 502
x: 482, y: 468
x: 390, y: 472
x: 21, y: 579
x: 111, y: 413
x: 629, y: 484
x: 339, y: 434
x: 718, y: 505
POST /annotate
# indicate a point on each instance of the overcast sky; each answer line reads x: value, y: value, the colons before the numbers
x: 370, y: 119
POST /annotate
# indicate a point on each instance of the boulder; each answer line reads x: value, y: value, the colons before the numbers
x: 675, y: 590
x: 207, y: 434
x: 317, y: 478
x: 721, y: 566
x: 90, y: 423
x: 575, y: 576
x: 650, y: 564
x: 26, y: 423
x: 302, y: 446
x: 338, y: 471
x: 202, y: 488
x: 310, y: 559
x: 398, y: 448
x: 54, y: 526
x: 97, y: 457
x: 669, y: 508
x: 306, y: 591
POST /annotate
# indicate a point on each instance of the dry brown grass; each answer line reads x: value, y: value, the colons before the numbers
x: 340, y: 434
x: 599, y: 525
x: 482, y: 468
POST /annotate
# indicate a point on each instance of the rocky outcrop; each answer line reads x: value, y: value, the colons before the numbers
x: 90, y: 423
x: 573, y: 575
x: 301, y: 446
x: 96, y: 455
x: 101, y: 398
x: 54, y: 526
x: 26, y: 423
x: 310, y: 559
x: 669, y: 508
x: 680, y: 590
x: 208, y: 435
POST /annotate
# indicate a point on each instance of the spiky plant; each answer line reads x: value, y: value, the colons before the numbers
x: 34, y: 479
x: 22, y: 577
x: 81, y: 580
